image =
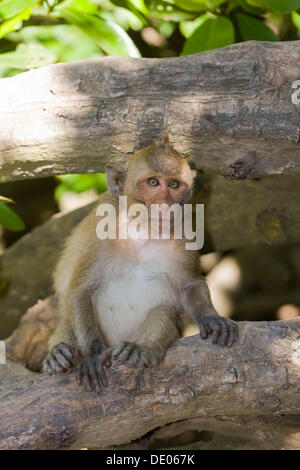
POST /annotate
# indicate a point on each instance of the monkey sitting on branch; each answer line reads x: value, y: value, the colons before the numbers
x: 124, y: 299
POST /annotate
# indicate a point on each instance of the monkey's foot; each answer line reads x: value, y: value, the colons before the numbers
x: 60, y: 360
x: 134, y: 354
x: 91, y: 371
x: 222, y: 330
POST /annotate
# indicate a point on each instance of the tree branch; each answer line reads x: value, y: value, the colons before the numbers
x: 229, y: 109
x: 258, y: 376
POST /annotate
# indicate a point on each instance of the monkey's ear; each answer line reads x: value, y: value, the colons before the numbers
x: 115, y: 178
x: 166, y: 140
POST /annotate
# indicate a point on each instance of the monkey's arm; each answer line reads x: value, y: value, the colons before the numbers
x: 197, y: 302
x: 160, y: 330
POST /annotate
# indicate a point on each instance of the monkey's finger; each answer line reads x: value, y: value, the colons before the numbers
x: 230, y: 338
x: 87, y: 380
x: 62, y: 360
x: 223, y: 335
x: 203, y: 332
x: 102, y: 375
x: 124, y: 355
x: 94, y: 378
x: 216, y: 333
x: 67, y: 351
x: 56, y: 368
x: 119, y: 349
x: 105, y: 357
x: 143, y: 360
x: 47, y: 367
x: 134, y: 358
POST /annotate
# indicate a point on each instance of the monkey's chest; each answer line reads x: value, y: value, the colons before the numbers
x: 125, y: 297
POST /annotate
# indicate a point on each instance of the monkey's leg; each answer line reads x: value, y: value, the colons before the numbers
x: 91, y: 367
x: 63, y: 354
x: 76, y: 337
x: 197, y: 302
x: 160, y: 330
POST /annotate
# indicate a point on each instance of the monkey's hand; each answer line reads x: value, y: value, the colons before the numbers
x: 91, y: 371
x: 222, y: 330
x: 133, y: 354
x: 61, y: 359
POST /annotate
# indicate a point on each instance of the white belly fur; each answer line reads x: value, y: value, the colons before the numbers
x: 126, y: 295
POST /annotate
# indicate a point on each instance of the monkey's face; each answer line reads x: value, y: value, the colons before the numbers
x: 158, y: 188
x: 167, y: 184
x: 154, y: 175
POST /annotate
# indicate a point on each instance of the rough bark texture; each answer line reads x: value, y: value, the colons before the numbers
x: 259, y: 376
x: 237, y: 214
x: 229, y: 109
x: 26, y: 268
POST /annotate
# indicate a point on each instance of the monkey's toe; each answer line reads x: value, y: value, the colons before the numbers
x: 136, y: 355
x: 223, y: 331
x: 60, y: 360
x: 91, y: 374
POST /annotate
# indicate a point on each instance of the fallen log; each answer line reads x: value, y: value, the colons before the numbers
x: 229, y: 109
x: 259, y: 376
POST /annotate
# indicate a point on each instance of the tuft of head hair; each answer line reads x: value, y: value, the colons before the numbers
x: 161, y: 157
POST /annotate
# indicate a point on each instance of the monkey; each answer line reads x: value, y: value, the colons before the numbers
x: 125, y: 300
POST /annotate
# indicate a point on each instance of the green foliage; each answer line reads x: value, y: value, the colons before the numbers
x: 81, y: 183
x: 251, y: 28
x: 39, y: 32
x: 211, y: 34
x: 8, y: 218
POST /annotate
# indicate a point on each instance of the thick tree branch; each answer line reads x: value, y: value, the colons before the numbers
x: 229, y: 109
x: 258, y: 376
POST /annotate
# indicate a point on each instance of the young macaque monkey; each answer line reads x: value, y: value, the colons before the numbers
x: 124, y: 299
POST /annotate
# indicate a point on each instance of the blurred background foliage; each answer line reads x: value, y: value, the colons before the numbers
x: 36, y: 33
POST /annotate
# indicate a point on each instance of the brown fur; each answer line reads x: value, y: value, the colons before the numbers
x: 91, y: 277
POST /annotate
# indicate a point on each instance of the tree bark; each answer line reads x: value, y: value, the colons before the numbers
x: 229, y: 109
x: 259, y: 376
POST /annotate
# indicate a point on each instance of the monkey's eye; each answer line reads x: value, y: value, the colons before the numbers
x: 153, y: 182
x: 174, y: 184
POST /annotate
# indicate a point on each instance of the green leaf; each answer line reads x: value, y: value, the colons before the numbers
x: 284, y: 6
x: 212, y: 34
x: 13, y: 23
x: 138, y: 5
x: 166, y: 28
x: 187, y: 28
x: 67, y: 42
x: 198, y: 5
x: 26, y: 57
x: 110, y: 37
x: 253, y: 29
x: 296, y: 19
x: 80, y: 183
x: 250, y: 8
x: 9, y: 219
x: 125, y: 18
x: 166, y: 12
x: 9, y: 8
